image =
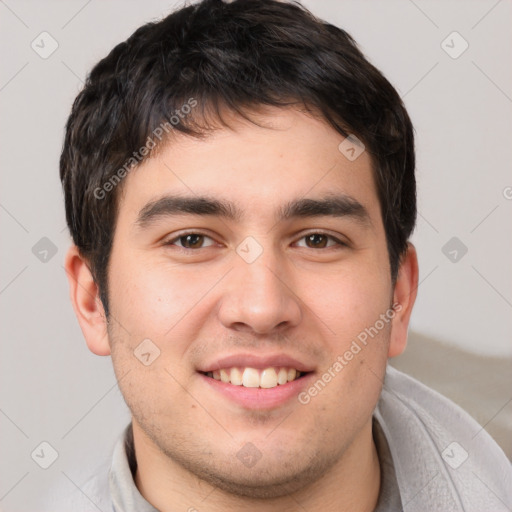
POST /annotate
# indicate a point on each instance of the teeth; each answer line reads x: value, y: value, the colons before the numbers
x: 268, y: 378
x: 282, y: 376
x: 235, y: 376
x: 253, y: 378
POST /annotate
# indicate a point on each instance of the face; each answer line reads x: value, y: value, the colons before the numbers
x: 279, y: 270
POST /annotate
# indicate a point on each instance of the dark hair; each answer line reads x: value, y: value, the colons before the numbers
x: 240, y: 56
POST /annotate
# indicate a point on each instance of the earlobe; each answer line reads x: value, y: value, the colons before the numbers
x: 404, y: 296
x: 85, y: 298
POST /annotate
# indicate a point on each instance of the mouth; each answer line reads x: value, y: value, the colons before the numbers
x: 257, y: 381
x: 248, y: 377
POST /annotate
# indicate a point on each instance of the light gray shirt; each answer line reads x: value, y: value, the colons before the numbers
x: 433, y: 457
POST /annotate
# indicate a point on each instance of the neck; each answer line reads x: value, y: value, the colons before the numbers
x: 352, y: 484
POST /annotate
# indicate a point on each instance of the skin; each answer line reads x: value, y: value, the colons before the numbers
x: 305, y: 301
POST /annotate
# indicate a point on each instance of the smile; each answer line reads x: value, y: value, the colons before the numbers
x: 253, y: 378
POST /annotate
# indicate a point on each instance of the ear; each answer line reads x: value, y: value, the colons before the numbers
x: 85, y: 298
x: 404, y: 296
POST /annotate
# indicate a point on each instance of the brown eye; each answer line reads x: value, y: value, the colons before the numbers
x: 316, y: 240
x: 190, y: 241
x: 320, y: 241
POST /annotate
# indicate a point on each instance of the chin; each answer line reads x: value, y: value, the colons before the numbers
x: 273, y: 479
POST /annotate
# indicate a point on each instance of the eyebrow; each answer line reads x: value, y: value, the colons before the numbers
x: 340, y: 205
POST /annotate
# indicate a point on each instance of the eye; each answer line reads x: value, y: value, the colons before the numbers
x: 321, y: 241
x: 190, y: 241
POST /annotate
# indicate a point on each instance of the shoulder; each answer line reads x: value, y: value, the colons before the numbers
x: 80, y: 494
x: 84, y: 489
x: 443, y: 458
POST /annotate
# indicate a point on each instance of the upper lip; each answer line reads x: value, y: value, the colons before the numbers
x: 259, y: 362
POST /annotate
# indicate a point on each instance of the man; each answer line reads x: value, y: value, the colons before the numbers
x: 239, y: 186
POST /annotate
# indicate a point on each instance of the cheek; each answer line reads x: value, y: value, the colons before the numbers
x: 350, y: 305
x: 151, y: 299
x: 347, y: 299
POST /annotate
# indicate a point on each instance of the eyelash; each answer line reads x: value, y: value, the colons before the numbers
x: 186, y: 249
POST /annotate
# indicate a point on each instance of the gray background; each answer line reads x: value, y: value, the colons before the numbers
x: 53, y: 389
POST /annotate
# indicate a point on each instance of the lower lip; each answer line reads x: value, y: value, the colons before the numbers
x: 260, y: 398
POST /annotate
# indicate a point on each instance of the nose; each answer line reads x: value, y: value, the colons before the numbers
x: 259, y: 297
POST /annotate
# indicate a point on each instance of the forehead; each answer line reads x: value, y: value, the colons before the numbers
x: 288, y: 155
